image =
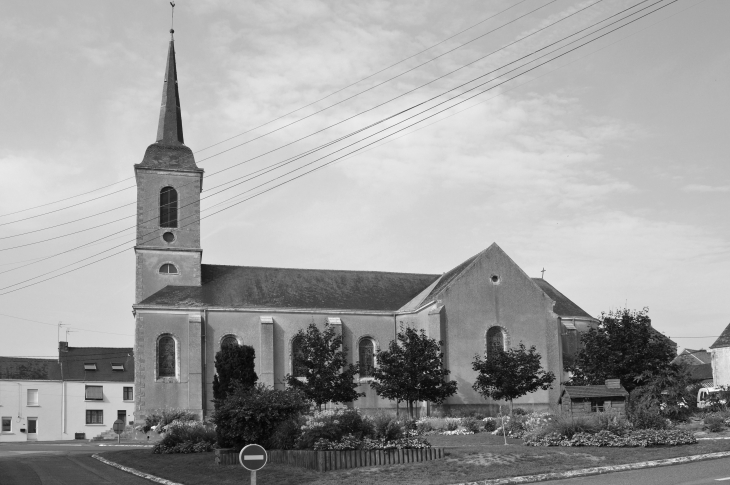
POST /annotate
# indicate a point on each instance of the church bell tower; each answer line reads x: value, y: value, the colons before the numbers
x: 169, y: 183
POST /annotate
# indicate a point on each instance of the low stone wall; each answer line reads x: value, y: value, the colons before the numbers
x: 323, y: 461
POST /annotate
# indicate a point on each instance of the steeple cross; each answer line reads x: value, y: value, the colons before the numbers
x: 172, y: 18
x: 543, y: 273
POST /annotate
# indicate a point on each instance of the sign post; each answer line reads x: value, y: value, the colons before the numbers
x: 253, y: 458
x: 118, y: 429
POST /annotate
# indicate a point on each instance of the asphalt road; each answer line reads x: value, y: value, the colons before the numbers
x: 710, y: 471
x: 59, y: 464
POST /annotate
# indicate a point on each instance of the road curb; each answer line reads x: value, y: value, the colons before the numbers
x: 599, y: 470
x: 127, y: 469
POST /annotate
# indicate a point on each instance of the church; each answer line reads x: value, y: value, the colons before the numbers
x: 186, y: 310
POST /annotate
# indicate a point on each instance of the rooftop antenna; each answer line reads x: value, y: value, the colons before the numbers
x: 68, y: 330
x: 172, y: 20
x: 543, y: 272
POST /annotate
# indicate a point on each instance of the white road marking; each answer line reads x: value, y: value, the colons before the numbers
x: 253, y: 457
x: 722, y: 479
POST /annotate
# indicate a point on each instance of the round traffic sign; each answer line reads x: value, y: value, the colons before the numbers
x: 118, y: 426
x: 253, y: 457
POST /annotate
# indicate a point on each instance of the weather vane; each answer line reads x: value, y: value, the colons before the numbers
x: 172, y: 19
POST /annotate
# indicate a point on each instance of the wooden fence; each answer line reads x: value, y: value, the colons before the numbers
x: 323, y: 461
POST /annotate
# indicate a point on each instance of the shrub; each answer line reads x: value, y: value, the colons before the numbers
x: 647, y: 418
x: 186, y: 437
x: 519, y: 412
x: 286, y: 434
x: 424, y: 425
x: 162, y: 417
x: 452, y: 423
x: 251, y: 415
x: 490, y: 424
x: 334, y: 425
x: 387, y: 427
x: 350, y: 442
x: 471, y: 424
x: 714, y: 423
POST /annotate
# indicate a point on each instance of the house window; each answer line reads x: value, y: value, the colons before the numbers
x: 298, y: 358
x: 117, y: 367
x: 166, y: 358
x: 91, y: 366
x: 168, y: 268
x: 94, y: 393
x: 32, y: 397
x: 597, y: 405
x: 128, y: 393
x: 94, y: 416
x: 7, y: 423
x: 495, y: 341
x: 367, y: 357
x: 229, y: 340
x: 168, y: 207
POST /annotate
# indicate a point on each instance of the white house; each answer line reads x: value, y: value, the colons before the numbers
x: 77, y: 396
x: 720, y: 351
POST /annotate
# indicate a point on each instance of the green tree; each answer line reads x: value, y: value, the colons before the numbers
x: 323, y: 374
x: 625, y: 347
x: 233, y: 364
x: 511, y: 374
x: 670, y: 392
x: 412, y: 370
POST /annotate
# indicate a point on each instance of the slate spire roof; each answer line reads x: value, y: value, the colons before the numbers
x: 723, y: 340
x: 169, y: 128
x: 169, y: 151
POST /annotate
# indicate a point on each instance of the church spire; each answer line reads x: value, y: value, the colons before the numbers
x: 169, y: 129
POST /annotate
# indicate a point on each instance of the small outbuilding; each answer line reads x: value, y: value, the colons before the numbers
x: 610, y: 397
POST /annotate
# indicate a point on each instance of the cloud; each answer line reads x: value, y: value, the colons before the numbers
x: 706, y: 188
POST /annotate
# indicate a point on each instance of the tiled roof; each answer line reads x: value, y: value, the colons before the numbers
x: 693, y: 357
x: 593, y: 391
x: 256, y: 287
x: 20, y: 368
x: 74, y: 359
x: 723, y: 340
x: 564, y: 307
x: 700, y: 372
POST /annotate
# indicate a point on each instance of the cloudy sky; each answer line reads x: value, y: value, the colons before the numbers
x: 607, y: 166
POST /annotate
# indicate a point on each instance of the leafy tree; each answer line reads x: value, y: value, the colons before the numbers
x: 511, y: 374
x: 233, y: 363
x: 411, y: 370
x: 671, y: 393
x: 625, y: 347
x: 325, y: 374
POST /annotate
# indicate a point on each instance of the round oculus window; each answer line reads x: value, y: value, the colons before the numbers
x: 168, y: 237
x: 495, y: 279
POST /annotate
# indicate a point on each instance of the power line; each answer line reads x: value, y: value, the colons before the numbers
x: 328, y: 163
x: 279, y: 164
x: 323, y: 129
x: 268, y: 122
x: 55, y: 325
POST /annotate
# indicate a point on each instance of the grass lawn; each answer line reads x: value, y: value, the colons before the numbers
x: 468, y: 458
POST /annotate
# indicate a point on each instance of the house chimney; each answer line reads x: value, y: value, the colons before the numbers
x: 62, y: 347
x: 613, y: 383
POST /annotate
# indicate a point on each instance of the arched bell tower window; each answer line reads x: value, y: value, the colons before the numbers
x: 367, y: 357
x: 495, y: 341
x: 166, y: 356
x: 297, y: 357
x: 168, y: 207
x: 168, y: 268
x: 229, y: 340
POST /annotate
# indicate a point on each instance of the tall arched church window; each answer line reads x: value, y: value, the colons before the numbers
x: 297, y: 358
x: 166, y: 358
x: 168, y: 207
x: 168, y: 268
x: 495, y: 341
x: 229, y: 340
x: 367, y: 357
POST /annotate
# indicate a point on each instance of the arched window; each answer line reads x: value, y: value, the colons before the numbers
x: 367, y: 357
x: 168, y: 207
x: 168, y: 268
x: 495, y: 341
x: 229, y: 340
x: 297, y: 358
x: 166, y: 358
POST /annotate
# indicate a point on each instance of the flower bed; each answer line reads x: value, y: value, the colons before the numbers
x: 633, y: 438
